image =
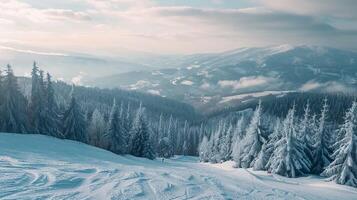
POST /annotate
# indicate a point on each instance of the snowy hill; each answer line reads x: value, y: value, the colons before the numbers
x: 41, y: 167
x: 205, y: 80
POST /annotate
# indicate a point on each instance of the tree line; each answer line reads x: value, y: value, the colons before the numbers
x: 85, y: 115
x: 290, y: 146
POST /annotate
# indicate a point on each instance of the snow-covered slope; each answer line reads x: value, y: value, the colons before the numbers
x: 41, y: 167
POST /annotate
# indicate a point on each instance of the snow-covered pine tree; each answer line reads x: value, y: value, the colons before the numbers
x: 289, y: 158
x: 51, y: 115
x: 37, y: 102
x: 171, y: 134
x: 203, y: 150
x: 164, y: 148
x: 238, y: 131
x: 253, y: 141
x: 217, y: 140
x: 140, y: 144
x: 97, y: 129
x: 211, y: 149
x: 343, y: 169
x: 270, y: 145
x: 14, y: 105
x: 306, y: 131
x: 226, y: 143
x: 74, y: 125
x: 181, y: 139
x: 115, y: 135
x: 185, y: 148
x: 322, y: 143
x: 127, y: 124
x: 236, y: 143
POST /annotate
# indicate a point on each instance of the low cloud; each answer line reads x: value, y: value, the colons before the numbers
x: 311, y: 85
x: 331, y: 86
x: 245, y: 82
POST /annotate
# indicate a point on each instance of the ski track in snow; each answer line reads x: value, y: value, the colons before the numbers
x: 40, y: 167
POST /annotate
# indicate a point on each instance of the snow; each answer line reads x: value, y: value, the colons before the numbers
x: 41, y: 167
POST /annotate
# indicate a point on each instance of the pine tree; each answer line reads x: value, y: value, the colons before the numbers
x: 343, y: 169
x: 306, y: 131
x: 74, y: 125
x: 253, y: 141
x: 185, y: 148
x: 164, y: 148
x: 116, y: 135
x: 217, y: 140
x: 140, y: 132
x: 97, y: 129
x: 13, y: 108
x: 51, y: 117
x: 127, y: 122
x: 321, y: 153
x: 37, y: 102
x: 171, y: 135
x: 289, y: 158
x: 226, y: 142
x: 203, y: 150
x: 237, y: 140
x: 270, y: 146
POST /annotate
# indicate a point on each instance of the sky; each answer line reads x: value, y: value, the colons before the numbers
x: 112, y: 27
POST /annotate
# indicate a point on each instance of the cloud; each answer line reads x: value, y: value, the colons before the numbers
x: 15, y: 9
x: 32, y: 52
x: 340, y: 8
x: 146, y: 25
x: 311, y: 85
x: 331, y: 86
x: 58, y: 14
x: 245, y: 82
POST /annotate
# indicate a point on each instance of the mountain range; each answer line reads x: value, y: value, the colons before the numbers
x: 231, y: 77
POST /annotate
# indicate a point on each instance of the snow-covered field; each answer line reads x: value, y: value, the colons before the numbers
x: 40, y: 167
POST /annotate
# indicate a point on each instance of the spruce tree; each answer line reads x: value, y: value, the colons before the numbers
x: 51, y: 116
x: 270, y: 146
x: 140, y: 143
x: 74, y: 124
x: 164, y: 148
x: 117, y: 139
x: 97, y: 129
x: 321, y: 152
x: 203, y: 150
x: 289, y: 158
x: 13, y: 108
x: 253, y: 141
x: 343, y: 169
x: 37, y: 102
x: 306, y: 131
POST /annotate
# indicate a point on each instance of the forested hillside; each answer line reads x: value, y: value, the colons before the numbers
x: 120, y: 121
x: 292, y: 135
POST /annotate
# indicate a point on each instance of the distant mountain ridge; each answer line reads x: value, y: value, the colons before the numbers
x: 206, y: 79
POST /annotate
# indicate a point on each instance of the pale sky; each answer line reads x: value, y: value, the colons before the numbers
x: 109, y: 27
